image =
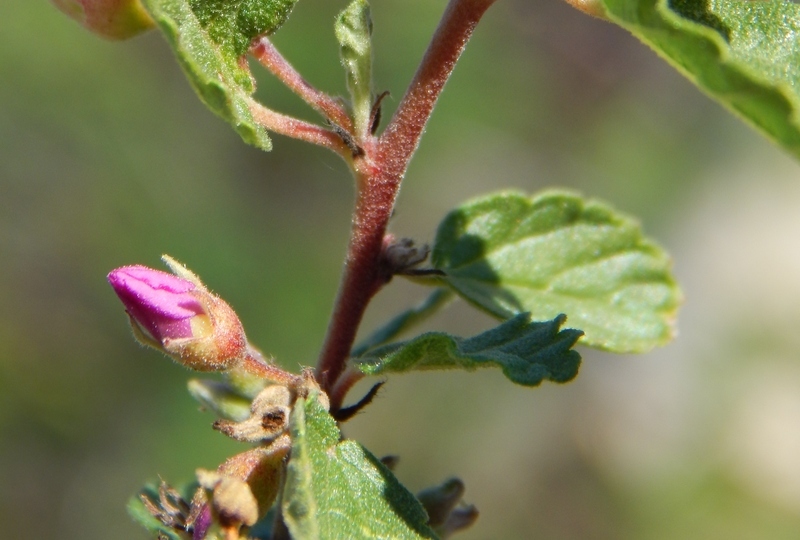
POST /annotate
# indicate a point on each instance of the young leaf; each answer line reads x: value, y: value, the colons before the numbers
x: 557, y: 253
x: 744, y: 54
x: 337, y: 489
x: 354, y: 32
x: 527, y: 352
x: 209, y: 37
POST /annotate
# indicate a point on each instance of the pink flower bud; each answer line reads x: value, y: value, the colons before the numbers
x: 112, y: 19
x: 177, y: 315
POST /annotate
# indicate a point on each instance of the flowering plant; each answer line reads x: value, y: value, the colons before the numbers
x: 529, y: 261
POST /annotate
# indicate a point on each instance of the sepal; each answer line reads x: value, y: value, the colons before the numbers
x: 177, y: 315
x: 111, y: 19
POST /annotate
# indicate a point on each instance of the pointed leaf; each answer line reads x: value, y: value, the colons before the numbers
x: 210, y: 38
x: 527, y: 352
x: 337, y: 489
x: 745, y: 54
x: 353, y: 30
x: 557, y: 253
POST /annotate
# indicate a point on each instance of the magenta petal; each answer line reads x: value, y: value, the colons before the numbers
x: 162, y: 304
x: 202, y: 524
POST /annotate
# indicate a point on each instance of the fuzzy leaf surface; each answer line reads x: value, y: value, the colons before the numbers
x: 527, y: 352
x: 210, y: 38
x: 353, y: 30
x: 556, y: 253
x: 338, y: 489
x: 744, y: 54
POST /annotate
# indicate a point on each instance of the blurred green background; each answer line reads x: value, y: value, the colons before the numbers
x: 107, y: 159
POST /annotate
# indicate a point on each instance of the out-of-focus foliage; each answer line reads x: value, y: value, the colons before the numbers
x: 108, y: 158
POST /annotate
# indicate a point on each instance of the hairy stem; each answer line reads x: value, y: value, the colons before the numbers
x: 379, y: 173
x: 265, y: 52
x: 298, y: 129
x: 255, y: 364
x: 401, y: 138
x: 361, y: 279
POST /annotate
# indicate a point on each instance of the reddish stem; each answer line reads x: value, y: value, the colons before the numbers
x: 401, y: 138
x: 266, y: 53
x: 298, y: 129
x: 379, y: 173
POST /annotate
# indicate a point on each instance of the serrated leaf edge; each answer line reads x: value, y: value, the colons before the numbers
x: 726, y: 59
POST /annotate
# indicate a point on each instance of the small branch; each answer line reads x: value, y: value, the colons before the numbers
x: 265, y: 52
x: 378, y: 176
x: 298, y: 129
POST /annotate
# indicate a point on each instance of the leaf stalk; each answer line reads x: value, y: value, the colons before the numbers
x: 268, y: 56
x: 298, y: 129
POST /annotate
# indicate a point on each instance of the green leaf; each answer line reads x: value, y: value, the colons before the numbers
x: 558, y: 253
x: 233, y: 24
x: 746, y: 54
x: 527, y: 352
x: 209, y: 38
x: 353, y: 30
x: 405, y: 320
x: 337, y: 489
x: 221, y: 398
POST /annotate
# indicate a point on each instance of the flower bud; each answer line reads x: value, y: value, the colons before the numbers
x: 180, y: 317
x: 112, y: 19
